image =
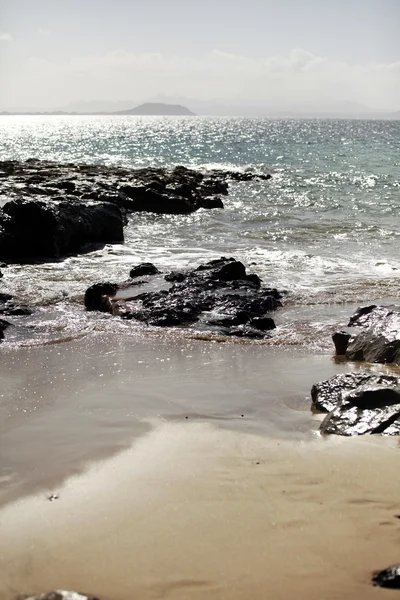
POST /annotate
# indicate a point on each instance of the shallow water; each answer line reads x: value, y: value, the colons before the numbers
x: 325, y: 227
x: 64, y: 406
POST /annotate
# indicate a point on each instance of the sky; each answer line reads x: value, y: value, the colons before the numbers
x: 280, y: 53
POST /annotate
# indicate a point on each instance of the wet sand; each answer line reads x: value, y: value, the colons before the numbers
x: 186, y: 469
x: 64, y: 405
x: 194, y: 511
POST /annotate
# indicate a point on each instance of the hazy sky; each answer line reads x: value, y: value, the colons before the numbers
x: 280, y: 52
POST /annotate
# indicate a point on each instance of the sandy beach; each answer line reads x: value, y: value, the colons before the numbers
x: 186, y: 469
x: 193, y: 511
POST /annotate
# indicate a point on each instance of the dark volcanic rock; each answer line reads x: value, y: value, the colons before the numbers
x: 388, y: 578
x: 3, y: 327
x: 36, y: 229
x: 14, y: 310
x: 358, y: 403
x: 143, y: 269
x: 175, y: 276
x: 163, y: 191
x: 9, y: 307
x: 214, y: 202
x: 97, y: 297
x: 363, y: 317
x: 326, y: 395
x: 379, y: 338
x: 145, y: 199
x: 61, y: 595
x: 341, y: 340
x: 225, y: 269
x: 5, y: 297
x: 218, y: 294
x: 263, y: 323
x: 245, y: 331
x: 240, y: 175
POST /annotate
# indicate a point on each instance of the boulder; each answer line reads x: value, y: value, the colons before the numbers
x: 11, y: 308
x: 388, y: 578
x: 97, y: 296
x: 4, y: 297
x: 263, y: 323
x: 145, y: 199
x: 143, y: 269
x: 208, y: 203
x: 341, y: 340
x: 218, y: 295
x: 35, y: 229
x: 3, y: 327
x: 225, y: 269
x: 61, y: 595
x: 358, y: 403
x: 379, y: 338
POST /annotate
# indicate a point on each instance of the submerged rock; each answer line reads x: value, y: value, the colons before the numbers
x: 379, y: 338
x: 143, y: 269
x: 388, y: 578
x: 218, y: 295
x: 11, y: 308
x: 358, y: 403
x: 35, y: 229
x: 61, y: 595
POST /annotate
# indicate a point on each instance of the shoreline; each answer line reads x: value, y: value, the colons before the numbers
x: 89, y: 399
x: 161, y: 488
x: 197, y: 510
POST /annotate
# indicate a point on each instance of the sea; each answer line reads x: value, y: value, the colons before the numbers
x: 326, y: 227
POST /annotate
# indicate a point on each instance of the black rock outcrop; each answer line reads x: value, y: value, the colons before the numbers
x: 33, y: 229
x: 167, y: 191
x: 378, y: 340
x: 61, y: 595
x: 358, y: 403
x: 3, y: 327
x: 388, y: 578
x: 218, y: 295
x: 143, y: 269
x: 10, y: 307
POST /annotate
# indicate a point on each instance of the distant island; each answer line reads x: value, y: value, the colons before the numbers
x: 146, y: 109
x: 157, y: 109
x: 177, y: 106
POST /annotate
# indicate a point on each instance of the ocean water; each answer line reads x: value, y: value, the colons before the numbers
x: 326, y: 227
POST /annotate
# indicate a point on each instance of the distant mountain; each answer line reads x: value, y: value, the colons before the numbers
x: 182, y: 106
x: 157, y: 109
x: 325, y: 108
x: 98, y: 106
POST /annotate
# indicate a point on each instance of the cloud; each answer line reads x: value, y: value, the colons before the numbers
x: 5, y: 37
x: 280, y: 80
x: 43, y: 32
